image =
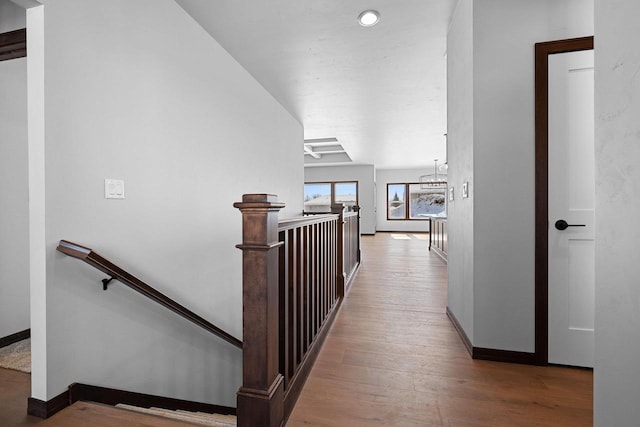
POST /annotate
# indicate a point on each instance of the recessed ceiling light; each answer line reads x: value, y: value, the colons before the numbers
x: 369, y: 18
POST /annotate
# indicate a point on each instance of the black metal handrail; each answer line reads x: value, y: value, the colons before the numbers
x: 90, y: 257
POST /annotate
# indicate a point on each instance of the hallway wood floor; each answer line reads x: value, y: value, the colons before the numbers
x: 393, y: 358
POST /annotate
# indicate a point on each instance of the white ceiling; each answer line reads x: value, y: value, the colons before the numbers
x: 381, y: 91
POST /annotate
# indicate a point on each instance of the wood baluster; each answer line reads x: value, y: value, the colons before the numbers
x: 314, y: 281
x: 291, y: 306
x: 356, y: 209
x: 283, y: 277
x: 299, y: 303
x: 307, y: 287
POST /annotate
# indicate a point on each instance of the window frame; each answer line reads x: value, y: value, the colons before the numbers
x: 406, y: 188
x: 407, y: 199
x: 333, y: 191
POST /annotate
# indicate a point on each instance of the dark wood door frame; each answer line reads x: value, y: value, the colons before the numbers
x: 542, y: 52
x: 13, y: 44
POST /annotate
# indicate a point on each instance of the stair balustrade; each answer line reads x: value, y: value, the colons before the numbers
x: 295, y: 272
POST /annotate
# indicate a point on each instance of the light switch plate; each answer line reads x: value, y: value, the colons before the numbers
x: 113, y: 189
x: 465, y: 189
x: 451, y: 194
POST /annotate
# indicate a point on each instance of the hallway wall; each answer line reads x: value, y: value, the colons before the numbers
x: 138, y: 91
x: 388, y: 176
x: 502, y: 170
x: 617, y: 372
x: 12, y: 16
x: 460, y: 224
x: 504, y: 160
x: 14, y: 205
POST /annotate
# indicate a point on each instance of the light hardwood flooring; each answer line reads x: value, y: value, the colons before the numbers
x: 14, y: 391
x: 393, y: 358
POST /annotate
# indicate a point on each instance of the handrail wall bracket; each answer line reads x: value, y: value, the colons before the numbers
x: 105, y: 283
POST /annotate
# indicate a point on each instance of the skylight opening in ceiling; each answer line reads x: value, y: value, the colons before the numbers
x: 324, y: 150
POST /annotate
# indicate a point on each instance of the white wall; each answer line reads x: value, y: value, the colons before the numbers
x: 138, y: 91
x: 617, y: 56
x: 390, y: 176
x: 365, y: 175
x: 12, y: 16
x: 502, y: 189
x: 14, y: 206
x: 460, y: 160
x: 504, y: 160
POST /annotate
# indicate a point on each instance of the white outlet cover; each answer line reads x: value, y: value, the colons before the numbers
x: 113, y: 189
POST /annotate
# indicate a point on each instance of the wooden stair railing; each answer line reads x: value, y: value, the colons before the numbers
x: 294, y: 276
x: 90, y: 257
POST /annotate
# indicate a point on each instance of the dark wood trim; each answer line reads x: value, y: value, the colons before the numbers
x: 41, y: 409
x: 542, y: 52
x: 357, y: 210
x: 349, y: 254
x: 341, y: 277
x: 439, y: 184
x: 333, y: 191
x: 14, y: 338
x: 13, y: 44
x: 92, y: 258
x: 463, y: 335
x: 109, y: 396
x: 438, y: 237
x: 291, y: 223
x: 491, y: 354
x: 507, y: 356
x: 260, y: 399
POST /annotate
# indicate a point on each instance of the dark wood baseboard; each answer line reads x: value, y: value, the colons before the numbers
x: 491, y: 354
x: 463, y: 335
x: 14, y: 338
x: 506, y: 356
x: 41, y: 409
x: 110, y: 396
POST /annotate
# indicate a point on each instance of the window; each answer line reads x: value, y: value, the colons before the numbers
x: 346, y: 193
x: 416, y: 201
x: 319, y: 196
x: 396, y: 201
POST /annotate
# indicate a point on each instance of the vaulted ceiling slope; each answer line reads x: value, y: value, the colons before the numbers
x: 381, y: 91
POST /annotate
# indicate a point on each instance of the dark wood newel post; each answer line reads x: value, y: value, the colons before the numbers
x: 340, y: 276
x: 260, y: 399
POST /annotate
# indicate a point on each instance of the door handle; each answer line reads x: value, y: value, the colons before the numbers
x: 561, y: 224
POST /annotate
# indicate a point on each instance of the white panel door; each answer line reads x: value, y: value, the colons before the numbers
x: 571, y: 199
